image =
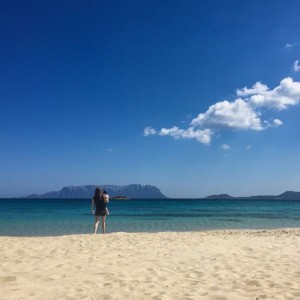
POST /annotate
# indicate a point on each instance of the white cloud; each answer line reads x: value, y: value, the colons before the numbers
x: 202, y: 136
x: 296, y: 66
x: 149, y: 131
x: 257, y: 88
x: 282, y: 96
x: 243, y: 113
x: 248, y: 147
x: 231, y: 115
x: 289, y: 45
x: 277, y: 122
x: 225, y: 147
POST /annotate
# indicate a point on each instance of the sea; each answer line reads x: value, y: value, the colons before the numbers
x: 54, y: 217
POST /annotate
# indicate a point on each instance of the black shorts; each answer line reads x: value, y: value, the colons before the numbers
x: 100, y: 212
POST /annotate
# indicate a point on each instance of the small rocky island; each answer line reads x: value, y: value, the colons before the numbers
x: 120, y: 198
x: 289, y: 195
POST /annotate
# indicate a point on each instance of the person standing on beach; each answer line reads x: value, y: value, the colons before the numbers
x: 99, y: 201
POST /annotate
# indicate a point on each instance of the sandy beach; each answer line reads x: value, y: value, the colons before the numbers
x: 219, y: 265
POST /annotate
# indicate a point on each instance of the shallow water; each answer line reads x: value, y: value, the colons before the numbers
x: 42, y: 217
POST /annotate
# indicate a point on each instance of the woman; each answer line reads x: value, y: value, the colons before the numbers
x: 100, y: 204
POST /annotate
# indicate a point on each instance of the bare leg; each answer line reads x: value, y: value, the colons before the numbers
x: 96, y: 224
x: 103, y: 224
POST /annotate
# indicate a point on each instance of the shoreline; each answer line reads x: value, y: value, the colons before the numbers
x: 214, y: 264
x: 208, y: 231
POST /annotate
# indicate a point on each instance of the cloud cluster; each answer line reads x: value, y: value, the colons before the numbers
x: 237, y: 114
x: 284, y: 95
x: 243, y: 113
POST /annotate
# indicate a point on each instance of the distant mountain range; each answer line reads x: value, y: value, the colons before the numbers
x: 144, y: 191
x: 87, y: 191
x: 289, y: 195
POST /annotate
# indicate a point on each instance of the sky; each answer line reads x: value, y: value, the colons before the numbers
x: 194, y: 97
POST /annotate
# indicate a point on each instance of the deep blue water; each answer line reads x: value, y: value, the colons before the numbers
x: 42, y: 217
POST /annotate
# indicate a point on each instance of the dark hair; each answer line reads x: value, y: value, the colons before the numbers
x: 105, y: 192
x: 98, y: 193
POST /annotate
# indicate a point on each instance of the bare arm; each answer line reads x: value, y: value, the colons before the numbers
x: 92, y: 207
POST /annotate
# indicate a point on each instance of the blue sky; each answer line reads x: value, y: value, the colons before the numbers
x: 120, y: 92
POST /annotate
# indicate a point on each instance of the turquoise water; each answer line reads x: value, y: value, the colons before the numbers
x: 42, y: 217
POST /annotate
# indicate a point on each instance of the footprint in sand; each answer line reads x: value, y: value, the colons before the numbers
x: 296, y: 294
x: 247, y: 249
x: 253, y: 283
x: 8, y: 279
x: 217, y: 297
x: 47, y: 279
